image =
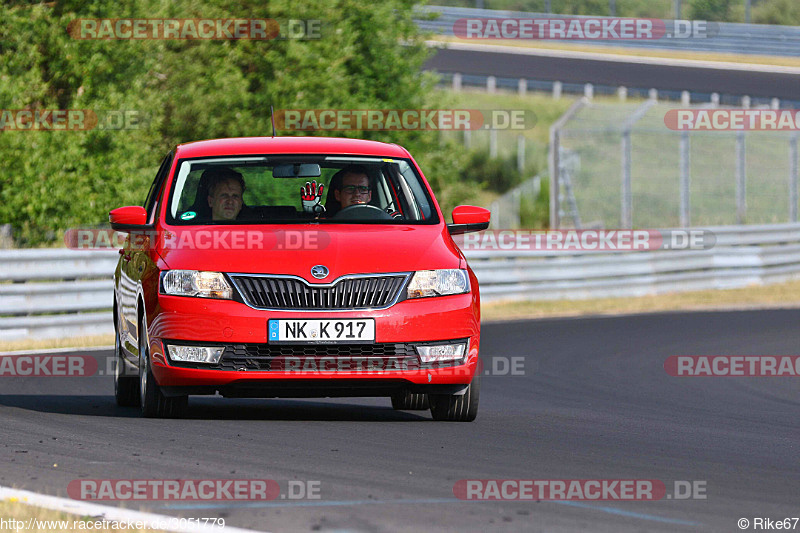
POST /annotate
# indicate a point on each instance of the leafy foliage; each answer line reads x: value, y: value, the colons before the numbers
x: 369, y: 56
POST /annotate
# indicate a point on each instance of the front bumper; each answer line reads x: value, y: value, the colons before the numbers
x: 319, y: 372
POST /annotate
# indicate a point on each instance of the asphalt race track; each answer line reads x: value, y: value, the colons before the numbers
x: 594, y: 403
x: 616, y: 73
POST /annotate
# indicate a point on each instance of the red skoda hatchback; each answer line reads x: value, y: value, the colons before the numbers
x: 295, y: 267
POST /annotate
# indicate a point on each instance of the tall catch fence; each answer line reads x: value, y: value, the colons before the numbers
x: 618, y: 165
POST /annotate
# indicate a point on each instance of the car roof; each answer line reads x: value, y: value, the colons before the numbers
x: 289, y: 145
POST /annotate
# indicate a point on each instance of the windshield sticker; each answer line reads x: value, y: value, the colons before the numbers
x: 188, y: 215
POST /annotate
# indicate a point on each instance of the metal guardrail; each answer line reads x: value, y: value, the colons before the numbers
x: 759, y: 39
x: 65, y: 293
x: 51, y: 293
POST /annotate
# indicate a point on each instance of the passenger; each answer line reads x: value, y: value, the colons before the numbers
x: 225, y: 191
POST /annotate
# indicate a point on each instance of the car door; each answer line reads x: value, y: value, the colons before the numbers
x: 135, y: 258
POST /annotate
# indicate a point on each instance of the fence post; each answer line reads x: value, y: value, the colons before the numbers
x: 522, y: 86
x: 626, y: 216
x: 6, y: 239
x: 626, y: 212
x: 492, y: 142
x: 793, y: 177
x: 467, y: 139
x: 685, y: 176
x: 521, y: 153
x: 588, y: 91
x: 622, y: 92
x: 741, y: 178
x: 653, y: 94
x: 714, y: 99
x: 457, y: 81
x: 686, y: 98
x: 491, y: 84
x: 554, y: 162
x: 557, y: 90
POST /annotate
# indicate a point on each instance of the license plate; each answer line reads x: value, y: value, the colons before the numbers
x: 323, y: 331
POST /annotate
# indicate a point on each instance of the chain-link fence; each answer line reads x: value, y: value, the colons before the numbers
x: 619, y: 165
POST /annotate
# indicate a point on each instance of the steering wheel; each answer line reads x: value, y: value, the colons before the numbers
x: 363, y: 212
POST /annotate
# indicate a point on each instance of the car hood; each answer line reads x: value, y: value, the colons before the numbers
x: 292, y: 249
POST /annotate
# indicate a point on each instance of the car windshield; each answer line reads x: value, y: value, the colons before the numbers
x: 280, y: 190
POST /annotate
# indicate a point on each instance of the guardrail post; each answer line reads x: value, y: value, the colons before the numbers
x: 491, y: 84
x: 685, y: 165
x: 557, y: 86
x: 522, y: 86
x: 653, y: 94
x: 746, y: 102
x: 457, y: 81
x: 714, y: 99
x: 686, y: 98
x: 793, y: 177
x: 741, y: 178
x: 492, y: 142
x: 588, y: 91
x: 467, y: 139
x: 775, y: 103
x: 521, y: 153
x: 622, y: 92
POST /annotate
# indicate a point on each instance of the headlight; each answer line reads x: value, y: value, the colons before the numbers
x: 195, y: 354
x: 194, y: 283
x: 442, y: 353
x: 438, y: 283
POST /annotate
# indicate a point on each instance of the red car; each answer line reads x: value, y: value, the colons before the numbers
x: 295, y: 267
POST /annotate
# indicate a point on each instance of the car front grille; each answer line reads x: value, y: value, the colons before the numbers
x: 287, y: 293
x: 318, y: 357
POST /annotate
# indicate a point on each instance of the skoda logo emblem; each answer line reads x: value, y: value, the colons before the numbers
x: 319, y: 271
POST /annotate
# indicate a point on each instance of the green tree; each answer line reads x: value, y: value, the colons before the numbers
x: 716, y: 10
x: 369, y: 55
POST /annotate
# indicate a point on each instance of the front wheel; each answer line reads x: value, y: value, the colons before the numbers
x: 409, y: 401
x: 153, y: 402
x: 457, y: 408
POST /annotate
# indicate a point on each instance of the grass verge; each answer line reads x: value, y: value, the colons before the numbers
x: 780, y: 295
x: 47, y: 521
x: 44, y: 344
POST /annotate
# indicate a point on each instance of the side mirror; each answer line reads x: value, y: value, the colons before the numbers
x: 128, y: 218
x: 469, y: 218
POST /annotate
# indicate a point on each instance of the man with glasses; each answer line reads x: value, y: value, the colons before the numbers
x: 349, y: 186
x: 355, y: 187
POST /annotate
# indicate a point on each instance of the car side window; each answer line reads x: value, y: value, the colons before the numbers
x: 151, y: 203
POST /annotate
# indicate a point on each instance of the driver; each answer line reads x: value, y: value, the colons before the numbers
x: 355, y: 187
x: 349, y: 186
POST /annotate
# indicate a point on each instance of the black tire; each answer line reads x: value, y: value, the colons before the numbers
x: 153, y: 402
x: 126, y: 387
x: 454, y: 408
x: 409, y: 401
